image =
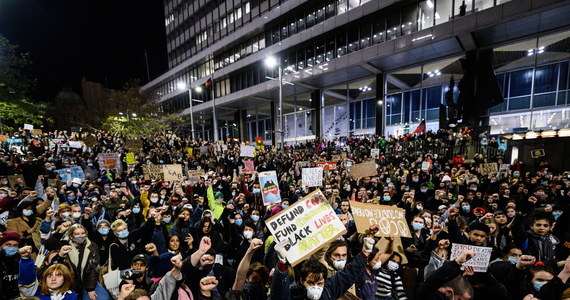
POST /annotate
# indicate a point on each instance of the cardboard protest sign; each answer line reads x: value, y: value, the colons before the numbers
x: 246, y: 151
x: 16, y: 179
x: 130, y: 158
x: 480, y: 262
x: 426, y: 166
x: 54, y: 142
x: 75, y: 172
x: 4, y: 138
x: 397, y: 246
x: 336, y: 157
x: 364, y: 169
x: 312, y: 176
x: 327, y: 165
x: 391, y: 220
x: 303, y: 164
x: 37, y: 132
x: 308, y: 224
x: 269, y: 187
x: 153, y: 172
x: 248, y: 167
x: 89, y: 141
x: 375, y: 153
x: 488, y: 169
x: 108, y: 161
x: 194, y: 175
x: 74, y: 144
x: 133, y: 145
x: 172, y: 172
x: 28, y: 127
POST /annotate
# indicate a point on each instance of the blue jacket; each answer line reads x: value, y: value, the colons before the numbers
x: 29, y: 284
x: 335, y: 286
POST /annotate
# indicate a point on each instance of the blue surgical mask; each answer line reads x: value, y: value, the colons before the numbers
x: 166, y: 220
x: 255, y: 218
x: 10, y: 251
x: 465, y: 207
x: 123, y: 234
x: 538, y: 286
x: 418, y: 226
x: 256, y: 191
x: 516, y: 175
x: 513, y: 260
x: 136, y: 210
x: 556, y: 214
x: 103, y: 231
x: 284, y: 206
x: 239, y: 222
x: 387, y: 198
x: 27, y: 212
x: 70, y: 197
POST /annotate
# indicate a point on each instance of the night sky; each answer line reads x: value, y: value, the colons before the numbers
x: 102, y: 40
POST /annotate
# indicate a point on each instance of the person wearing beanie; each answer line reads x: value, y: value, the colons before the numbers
x: 101, y: 235
x: 9, y: 257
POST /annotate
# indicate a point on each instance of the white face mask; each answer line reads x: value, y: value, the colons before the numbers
x: 314, y: 292
x: 392, y: 266
x: 248, y: 234
x: 377, y: 266
x: 339, y: 264
x: 76, y: 215
x: 153, y: 200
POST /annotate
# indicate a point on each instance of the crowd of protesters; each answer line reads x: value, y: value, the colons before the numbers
x: 207, y: 239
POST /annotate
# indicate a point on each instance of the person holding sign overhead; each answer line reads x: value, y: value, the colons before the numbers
x: 313, y: 283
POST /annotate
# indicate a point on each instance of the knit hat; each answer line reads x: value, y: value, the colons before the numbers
x: 103, y: 221
x: 446, y: 178
x: 9, y: 236
x: 219, y: 195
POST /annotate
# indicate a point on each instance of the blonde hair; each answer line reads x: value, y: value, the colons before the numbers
x: 57, y: 269
x: 73, y: 228
x: 117, y: 223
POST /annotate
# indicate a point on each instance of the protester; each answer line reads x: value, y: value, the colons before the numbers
x: 64, y: 211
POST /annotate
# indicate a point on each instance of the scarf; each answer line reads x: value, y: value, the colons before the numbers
x: 58, y: 296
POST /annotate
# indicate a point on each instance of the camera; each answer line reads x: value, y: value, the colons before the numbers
x: 131, y: 274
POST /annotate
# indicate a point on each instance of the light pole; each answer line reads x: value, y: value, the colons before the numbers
x: 182, y: 86
x: 271, y: 62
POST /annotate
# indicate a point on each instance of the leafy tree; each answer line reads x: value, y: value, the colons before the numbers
x: 15, y: 86
x: 135, y: 114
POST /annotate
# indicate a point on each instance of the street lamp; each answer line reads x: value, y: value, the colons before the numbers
x: 271, y: 62
x: 183, y: 86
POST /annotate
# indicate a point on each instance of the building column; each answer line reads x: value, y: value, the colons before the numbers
x: 273, y: 124
x: 316, y: 115
x: 380, y: 105
x: 240, y: 120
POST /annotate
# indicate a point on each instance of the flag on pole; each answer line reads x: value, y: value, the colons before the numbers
x: 421, y: 128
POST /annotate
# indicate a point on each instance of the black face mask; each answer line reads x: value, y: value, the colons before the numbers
x: 208, y: 268
x: 253, y: 289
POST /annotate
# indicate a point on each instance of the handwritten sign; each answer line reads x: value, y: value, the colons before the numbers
x: 133, y: 145
x: 130, y: 158
x: 312, y: 176
x: 537, y: 153
x: 37, y: 132
x: 28, y: 127
x: 89, y: 141
x: 391, y: 220
x: 153, y: 172
x: 4, y: 138
x: 327, y: 165
x: 364, y: 169
x: 488, y: 169
x: 248, y: 167
x: 308, y: 225
x: 172, y: 172
x: 336, y: 157
x: 303, y: 164
x: 426, y: 166
x: 375, y: 153
x: 480, y: 262
x: 108, y: 161
x: 269, y: 187
x: 246, y: 151
x: 75, y: 172
x: 74, y: 144
x: 16, y: 180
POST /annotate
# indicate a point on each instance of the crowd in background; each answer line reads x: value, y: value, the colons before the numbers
x: 206, y: 238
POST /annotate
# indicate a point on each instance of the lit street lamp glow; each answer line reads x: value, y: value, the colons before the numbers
x: 271, y: 62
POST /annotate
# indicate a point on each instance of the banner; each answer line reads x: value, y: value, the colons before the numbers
x: 364, y: 169
x: 375, y: 153
x: 130, y: 158
x: 153, y: 172
x: 76, y: 172
x: 172, y: 172
x: 246, y: 151
x: 480, y: 262
x: 327, y: 165
x: 308, y: 224
x: 391, y: 220
x: 269, y: 187
x: 74, y: 144
x: 248, y: 167
x: 488, y: 169
x: 108, y: 161
x: 312, y: 176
